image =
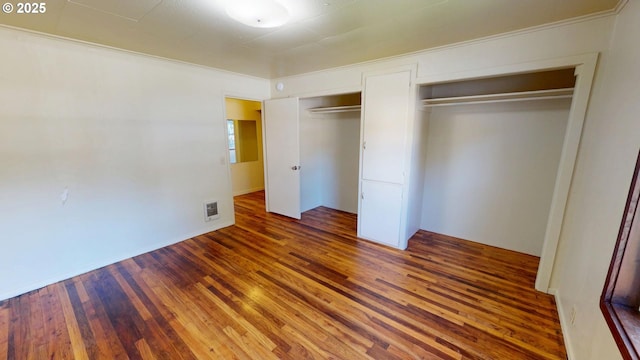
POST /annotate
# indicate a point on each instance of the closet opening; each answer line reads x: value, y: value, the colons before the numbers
x: 491, y: 155
x: 330, y: 152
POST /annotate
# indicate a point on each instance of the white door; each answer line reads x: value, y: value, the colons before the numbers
x: 282, y: 156
x: 386, y: 112
x: 379, y: 216
x: 386, y: 102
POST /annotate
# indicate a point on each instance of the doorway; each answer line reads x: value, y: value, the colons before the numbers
x: 244, y: 132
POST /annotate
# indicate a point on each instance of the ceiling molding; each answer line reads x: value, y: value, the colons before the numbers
x: 620, y: 6
x: 130, y: 52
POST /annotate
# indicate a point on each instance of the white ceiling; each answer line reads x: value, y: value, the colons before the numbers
x: 321, y: 33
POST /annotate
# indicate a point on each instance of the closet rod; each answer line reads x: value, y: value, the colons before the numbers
x: 503, y: 97
x: 500, y: 100
x: 335, y: 109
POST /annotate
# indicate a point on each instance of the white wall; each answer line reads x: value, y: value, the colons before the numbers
x: 609, y: 146
x: 490, y: 171
x: 329, y: 155
x: 312, y: 156
x: 248, y: 176
x: 138, y: 142
x: 417, y: 173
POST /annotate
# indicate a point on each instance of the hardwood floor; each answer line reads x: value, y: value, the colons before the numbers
x: 272, y: 287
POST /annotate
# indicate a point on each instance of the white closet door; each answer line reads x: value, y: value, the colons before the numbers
x: 386, y: 112
x: 379, y: 216
x: 282, y: 156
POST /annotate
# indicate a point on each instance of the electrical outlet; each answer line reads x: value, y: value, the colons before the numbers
x: 572, y: 316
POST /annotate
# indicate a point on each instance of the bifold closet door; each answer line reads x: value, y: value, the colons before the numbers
x: 282, y: 156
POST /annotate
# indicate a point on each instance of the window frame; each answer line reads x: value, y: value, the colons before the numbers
x: 620, y: 299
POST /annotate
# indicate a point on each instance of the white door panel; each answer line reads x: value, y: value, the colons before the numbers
x: 282, y: 156
x: 386, y: 112
x: 379, y: 216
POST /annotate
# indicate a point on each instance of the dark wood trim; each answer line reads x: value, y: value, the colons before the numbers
x: 620, y: 314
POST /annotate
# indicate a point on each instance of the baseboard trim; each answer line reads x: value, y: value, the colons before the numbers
x: 564, y: 324
x: 247, y: 191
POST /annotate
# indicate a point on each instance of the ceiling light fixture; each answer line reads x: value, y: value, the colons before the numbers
x: 258, y: 13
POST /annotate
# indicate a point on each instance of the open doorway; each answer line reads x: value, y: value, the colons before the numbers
x: 244, y: 130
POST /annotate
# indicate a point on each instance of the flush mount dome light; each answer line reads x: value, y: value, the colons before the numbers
x: 258, y: 13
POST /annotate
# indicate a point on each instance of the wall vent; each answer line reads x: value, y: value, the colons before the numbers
x: 211, y: 210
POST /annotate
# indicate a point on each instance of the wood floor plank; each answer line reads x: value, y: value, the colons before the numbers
x: 137, y: 303
x: 106, y: 348
x: 145, y: 351
x: 183, y: 320
x: 88, y: 339
x: 160, y: 312
x: 4, y: 330
x: 78, y: 347
x: 107, y: 338
x: 56, y: 333
x: 350, y: 310
x: 272, y: 287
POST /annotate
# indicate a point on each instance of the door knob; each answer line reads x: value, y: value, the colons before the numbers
x: 296, y: 167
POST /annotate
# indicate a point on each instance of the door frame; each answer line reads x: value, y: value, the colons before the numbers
x: 227, y: 158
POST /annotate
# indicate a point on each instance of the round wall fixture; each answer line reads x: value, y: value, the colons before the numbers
x: 279, y: 86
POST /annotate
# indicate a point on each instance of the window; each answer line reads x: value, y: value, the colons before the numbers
x: 243, y: 140
x: 620, y: 300
x: 231, y: 132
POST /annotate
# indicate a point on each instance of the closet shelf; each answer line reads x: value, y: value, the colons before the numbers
x: 335, y: 109
x: 503, y: 97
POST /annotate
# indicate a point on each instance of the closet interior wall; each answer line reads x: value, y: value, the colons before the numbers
x: 329, y: 153
x: 490, y: 168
